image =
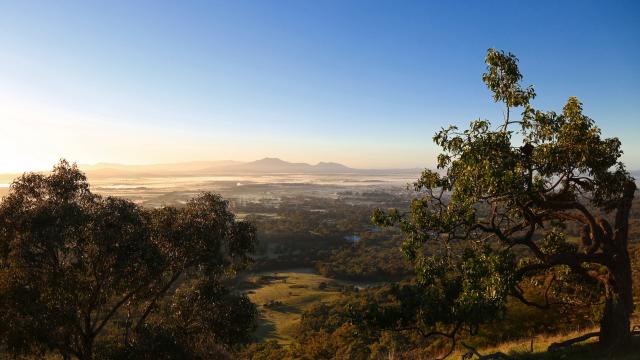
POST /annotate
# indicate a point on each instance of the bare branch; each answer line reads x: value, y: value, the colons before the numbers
x: 493, y: 356
x: 559, y: 345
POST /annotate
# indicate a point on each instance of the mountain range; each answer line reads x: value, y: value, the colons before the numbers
x: 211, y: 168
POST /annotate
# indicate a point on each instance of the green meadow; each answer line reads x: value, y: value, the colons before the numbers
x: 283, y: 296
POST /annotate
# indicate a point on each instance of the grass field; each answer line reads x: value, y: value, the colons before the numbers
x: 588, y: 350
x: 282, y: 297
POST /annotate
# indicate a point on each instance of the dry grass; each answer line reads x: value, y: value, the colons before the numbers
x: 296, y: 291
x: 525, y: 349
x: 540, y: 342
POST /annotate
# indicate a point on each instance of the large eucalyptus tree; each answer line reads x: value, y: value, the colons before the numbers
x: 506, y: 194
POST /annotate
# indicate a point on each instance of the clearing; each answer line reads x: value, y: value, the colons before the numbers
x: 282, y: 297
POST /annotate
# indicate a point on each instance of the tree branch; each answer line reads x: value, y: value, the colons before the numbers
x: 519, y: 294
x: 559, y: 345
x: 451, y: 335
x: 116, y: 307
x: 155, y: 299
x: 596, y: 230
x: 493, y: 356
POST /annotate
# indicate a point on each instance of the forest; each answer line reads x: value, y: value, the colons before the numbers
x: 523, y: 243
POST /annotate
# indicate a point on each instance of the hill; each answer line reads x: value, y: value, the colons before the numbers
x: 275, y: 165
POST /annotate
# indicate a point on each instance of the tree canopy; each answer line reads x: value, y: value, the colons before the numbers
x: 495, y: 212
x: 79, y: 270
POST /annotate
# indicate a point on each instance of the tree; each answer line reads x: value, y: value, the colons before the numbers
x: 73, y: 263
x: 199, y: 322
x: 498, y: 210
x: 208, y: 309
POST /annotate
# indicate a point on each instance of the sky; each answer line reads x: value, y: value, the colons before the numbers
x: 363, y: 83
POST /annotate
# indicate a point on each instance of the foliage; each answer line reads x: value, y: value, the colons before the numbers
x: 76, y: 267
x: 380, y: 322
x: 498, y: 206
x: 201, y: 321
x: 266, y: 351
x: 374, y: 258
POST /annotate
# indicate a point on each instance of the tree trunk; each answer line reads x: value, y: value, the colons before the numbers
x: 615, y: 323
x: 87, y: 348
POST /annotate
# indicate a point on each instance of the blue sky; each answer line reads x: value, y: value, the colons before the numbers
x: 365, y: 83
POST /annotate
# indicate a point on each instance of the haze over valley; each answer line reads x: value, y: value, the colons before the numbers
x: 269, y: 178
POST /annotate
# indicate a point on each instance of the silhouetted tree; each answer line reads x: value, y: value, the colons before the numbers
x: 199, y: 322
x: 504, y: 194
x: 73, y: 263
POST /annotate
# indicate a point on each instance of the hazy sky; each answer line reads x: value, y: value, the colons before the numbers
x: 365, y: 83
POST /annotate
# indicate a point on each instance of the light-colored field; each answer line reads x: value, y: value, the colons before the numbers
x: 290, y: 293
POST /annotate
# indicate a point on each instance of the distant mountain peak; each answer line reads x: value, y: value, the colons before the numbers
x: 331, y: 165
x: 277, y: 165
x: 270, y: 160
